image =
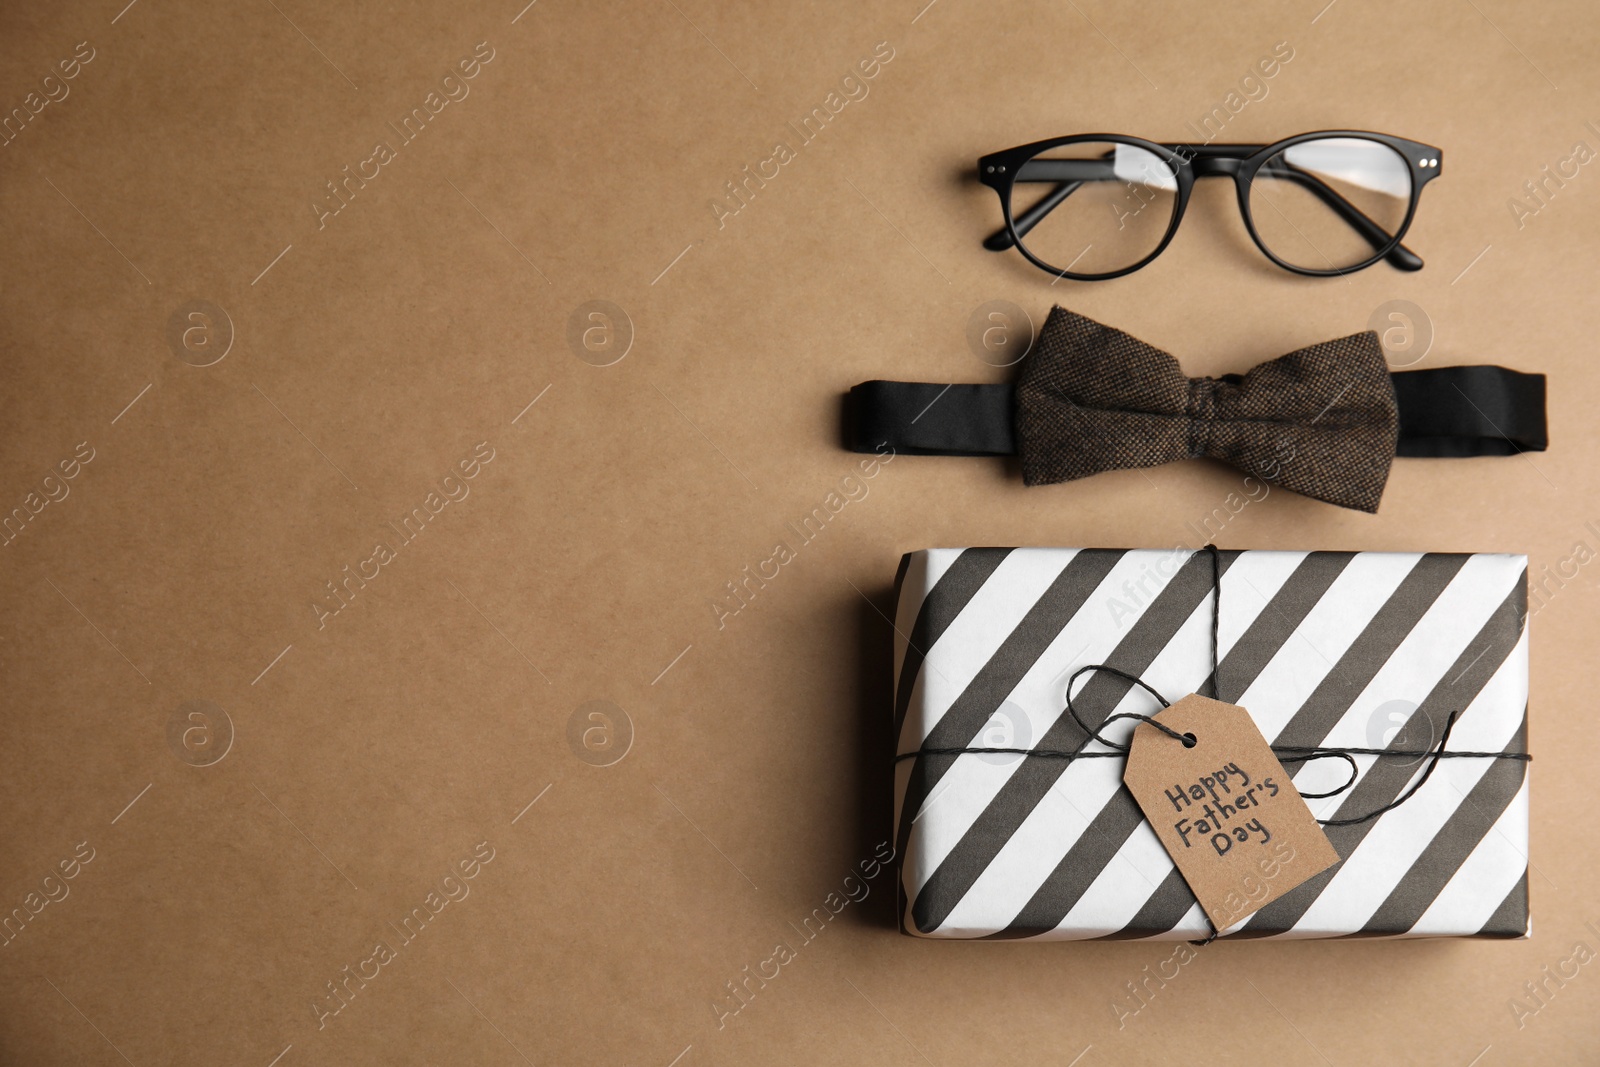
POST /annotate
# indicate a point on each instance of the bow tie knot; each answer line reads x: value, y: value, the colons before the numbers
x: 1200, y: 409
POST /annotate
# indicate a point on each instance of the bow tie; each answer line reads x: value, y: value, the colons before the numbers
x: 1326, y: 421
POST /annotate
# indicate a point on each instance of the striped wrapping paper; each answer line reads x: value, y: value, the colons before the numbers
x: 1356, y: 650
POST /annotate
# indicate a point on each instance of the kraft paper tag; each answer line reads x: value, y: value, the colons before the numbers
x: 1225, y: 809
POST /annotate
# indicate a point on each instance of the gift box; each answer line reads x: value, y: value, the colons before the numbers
x: 1365, y: 650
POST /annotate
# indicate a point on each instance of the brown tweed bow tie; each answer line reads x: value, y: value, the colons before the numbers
x: 1320, y: 421
x: 1326, y: 421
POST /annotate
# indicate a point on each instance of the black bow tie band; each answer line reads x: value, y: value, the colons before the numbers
x: 1325, y: 421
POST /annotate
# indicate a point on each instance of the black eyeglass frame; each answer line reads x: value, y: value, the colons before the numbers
x: 1241, y: 162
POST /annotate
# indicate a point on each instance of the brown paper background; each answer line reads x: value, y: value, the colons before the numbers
x: 423, y: 319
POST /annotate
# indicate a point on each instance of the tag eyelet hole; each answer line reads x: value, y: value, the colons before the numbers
x: 1189, y: 740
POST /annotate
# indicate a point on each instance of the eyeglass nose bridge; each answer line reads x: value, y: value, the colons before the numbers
x: 1215, y: 166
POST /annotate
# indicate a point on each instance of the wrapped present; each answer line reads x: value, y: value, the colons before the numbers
x: 1347, y: 651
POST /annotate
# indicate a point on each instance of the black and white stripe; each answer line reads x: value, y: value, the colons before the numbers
x: 1311, y: 643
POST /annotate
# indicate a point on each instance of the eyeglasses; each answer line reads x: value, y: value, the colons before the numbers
x: 1100, y: 206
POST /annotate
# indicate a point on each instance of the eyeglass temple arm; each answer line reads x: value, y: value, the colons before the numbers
x: 1001, y: 240
x: 1070, y: 173
x: 1399, y: 256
